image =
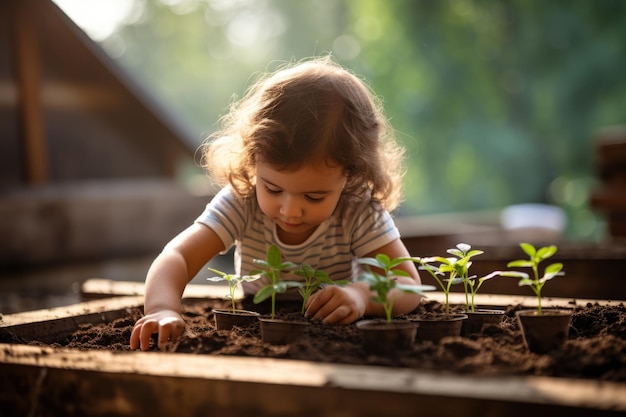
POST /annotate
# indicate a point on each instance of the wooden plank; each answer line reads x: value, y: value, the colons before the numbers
x: 93, y: 220
x: 500, y: 300
x: 50, y: 325
x: 29, y: 93
x: 100, y: 288
x: 168, y: 384
x: 88, y: 307
x: 95, y: 288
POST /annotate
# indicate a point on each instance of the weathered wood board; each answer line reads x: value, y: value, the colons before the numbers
x: 591, y: 270
x: 102, y: 383
x: 97, y: 288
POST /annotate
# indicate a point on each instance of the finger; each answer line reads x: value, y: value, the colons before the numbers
x: 339, y: 315
x: 164, y: 338
x: 134, y: 337
x: 316, y: 302
x: 350, y: 318
x: 147, y: 330
x: 311, y: 303
x: 169, y: 331
x: 327, y: 307
x: 315, y: 310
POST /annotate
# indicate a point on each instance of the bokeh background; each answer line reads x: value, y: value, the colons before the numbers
x: 497, y: 102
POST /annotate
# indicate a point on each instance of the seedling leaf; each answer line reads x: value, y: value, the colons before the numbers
x: 528, y: 249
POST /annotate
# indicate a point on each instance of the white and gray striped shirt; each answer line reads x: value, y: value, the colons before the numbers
x: 354, y: 230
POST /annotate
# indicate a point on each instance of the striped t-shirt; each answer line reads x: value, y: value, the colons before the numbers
x: 354, y: 230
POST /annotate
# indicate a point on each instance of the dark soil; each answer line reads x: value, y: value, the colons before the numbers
x: 596, y: 348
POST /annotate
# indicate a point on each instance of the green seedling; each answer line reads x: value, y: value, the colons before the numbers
x: 313, y: 280
x: 449, y: 271
x: 536, y: 256
x: 382, y: 284
x: 457, y: 270
x: 233, y: 280
x: 272, y: 267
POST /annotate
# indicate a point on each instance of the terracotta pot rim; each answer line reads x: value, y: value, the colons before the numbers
x: 443, y: 317
x: 486, y: 311
x: 545, y: 312
x: 236, y: 312
x: 374, y: 324
x: 283, y: 321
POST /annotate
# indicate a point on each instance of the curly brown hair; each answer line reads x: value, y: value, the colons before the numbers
x: 314, y: 111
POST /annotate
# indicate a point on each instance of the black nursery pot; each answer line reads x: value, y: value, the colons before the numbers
x: 437, y: 327
x: 546, y: 332
x: 282, y: 332
x: 383, y: 337
x: 478, y: 319
x: 226, y: 319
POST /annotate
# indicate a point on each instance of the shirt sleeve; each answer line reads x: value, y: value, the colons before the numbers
x: 225, y: 214
x: 372, y: 228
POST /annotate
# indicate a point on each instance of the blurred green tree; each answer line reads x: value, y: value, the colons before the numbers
x: 496, y: 101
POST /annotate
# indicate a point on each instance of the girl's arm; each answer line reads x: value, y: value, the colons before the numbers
x: 171, y: 271
x: 344, y: 305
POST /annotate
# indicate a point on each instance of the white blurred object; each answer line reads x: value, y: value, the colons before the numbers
x: 533, y: 216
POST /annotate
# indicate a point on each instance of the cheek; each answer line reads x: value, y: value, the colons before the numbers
x: 263, y: 202
x: 325, y: 210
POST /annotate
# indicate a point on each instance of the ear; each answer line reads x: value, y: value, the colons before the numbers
x: 347, y: 173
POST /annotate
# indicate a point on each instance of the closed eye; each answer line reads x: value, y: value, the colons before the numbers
x: 314, y: 199
x: 272, y: 191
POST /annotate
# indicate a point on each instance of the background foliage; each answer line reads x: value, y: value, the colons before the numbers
x: 496, y: 101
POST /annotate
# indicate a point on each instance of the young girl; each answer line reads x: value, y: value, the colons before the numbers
x: 307, y: 162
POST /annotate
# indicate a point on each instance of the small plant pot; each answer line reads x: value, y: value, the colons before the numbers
x: 226, y: 319
x: 436, y: 328
x: 546, y: 332
x: 478, y: 319
x: 382, y: 337
x: 282, y: 332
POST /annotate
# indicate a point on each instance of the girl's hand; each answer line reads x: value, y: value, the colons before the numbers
x: 167, y: 323
x: 337, y: 305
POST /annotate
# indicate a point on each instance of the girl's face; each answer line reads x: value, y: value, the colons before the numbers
x: 298, y: 201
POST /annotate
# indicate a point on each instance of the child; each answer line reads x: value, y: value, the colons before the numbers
x: 309, y: 163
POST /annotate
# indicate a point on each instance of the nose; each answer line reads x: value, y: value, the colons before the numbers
x: 290, y: 207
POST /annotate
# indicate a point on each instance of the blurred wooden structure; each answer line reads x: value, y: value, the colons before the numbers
x: 88, y: 160
x: 610, y: 196
x: 68, y: 112
x: 592, y: 270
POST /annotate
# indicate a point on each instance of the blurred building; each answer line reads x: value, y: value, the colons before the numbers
x: 89, y: 162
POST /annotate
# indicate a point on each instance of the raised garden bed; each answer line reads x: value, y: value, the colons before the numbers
x: 75, y: 361
x: 593, y: 270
